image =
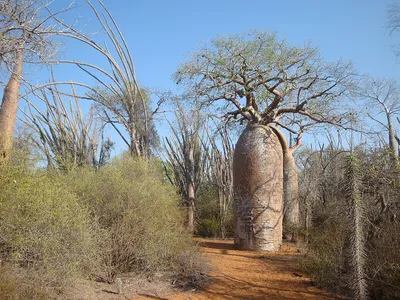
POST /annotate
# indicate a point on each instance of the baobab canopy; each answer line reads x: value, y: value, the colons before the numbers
x: 266, y: 80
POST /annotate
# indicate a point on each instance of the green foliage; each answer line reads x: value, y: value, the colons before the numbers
x: 139, y: 212
x: 263, y: 79
x: 209, y: 215
x: 208, y: 228
x: 56, y: 228
x: 44, y: 228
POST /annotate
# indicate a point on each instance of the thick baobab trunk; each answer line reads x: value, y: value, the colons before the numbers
x: 291, y: 208
x: 257, y: 181
x: 9, y: 107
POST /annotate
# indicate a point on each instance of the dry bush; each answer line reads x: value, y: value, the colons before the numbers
x: 324, y: 204
x: 16, y: 284
x: 140, y: 213
x: 384, y: 262
x: 44, y: 229
x: 326, y: 256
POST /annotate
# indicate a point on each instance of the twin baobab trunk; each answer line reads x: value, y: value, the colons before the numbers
x: 291, y: 210
x: 258, y: 183
x: 9, y: 107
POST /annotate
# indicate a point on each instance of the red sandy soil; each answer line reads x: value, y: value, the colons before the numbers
x: 249, y: 275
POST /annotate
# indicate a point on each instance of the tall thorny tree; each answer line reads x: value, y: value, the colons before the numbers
x: 119, y: 91
x: 356, y: 228
x: 221, y: 166
x: 66, y: 136
x: 186, y: 158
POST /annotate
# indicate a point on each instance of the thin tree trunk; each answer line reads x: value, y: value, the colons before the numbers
x: 9, y: 107
x: 392, y: 141
x: 134, y: 143
x: 190, y: 208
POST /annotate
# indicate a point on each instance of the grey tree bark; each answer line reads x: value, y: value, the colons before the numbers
x: 190, y: 206
x: 291, y: 210
x: 356, y: 230
x: 392, y: 139
x: 257, y: 180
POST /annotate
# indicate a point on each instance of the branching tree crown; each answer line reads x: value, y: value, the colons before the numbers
x: 264, y: 80
x: 26, y: 24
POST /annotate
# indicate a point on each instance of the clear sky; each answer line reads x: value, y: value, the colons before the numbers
x: 160, y: 33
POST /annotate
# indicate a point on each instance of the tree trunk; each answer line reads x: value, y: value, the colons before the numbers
x: 9, y: 107
x: 257, y: 177
x: 190, y: 208
x: 356, y: 229
x: 291, y: 209
x: 134, y: 144
x: 392, y: 140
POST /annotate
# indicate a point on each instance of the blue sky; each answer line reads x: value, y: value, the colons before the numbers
x: 160, y: 33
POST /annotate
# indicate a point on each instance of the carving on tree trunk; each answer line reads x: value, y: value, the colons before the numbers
x: 257, y: 177
x: 9, y: 107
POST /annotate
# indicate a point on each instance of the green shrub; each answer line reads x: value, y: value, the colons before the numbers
x: 208, y: 228
x: 140, y: 213
x: 212, y: 222
x: 44, y: 228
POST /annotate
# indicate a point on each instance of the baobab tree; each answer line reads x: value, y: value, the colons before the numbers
x: 257, y: 79
x: 25, y: 37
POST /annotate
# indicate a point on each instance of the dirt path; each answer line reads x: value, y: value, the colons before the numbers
x: 251, y: 275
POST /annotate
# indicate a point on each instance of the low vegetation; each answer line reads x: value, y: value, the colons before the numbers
x: 330, y: 233
x: 56, y: 228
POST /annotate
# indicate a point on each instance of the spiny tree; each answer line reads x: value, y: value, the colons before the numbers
x: 131, y: 115
x: 186, y: 159
x: 256, y: 78
x: 25, y: 37
x: 124, y: 101
x: 221, y: 165
x: 356, y: 228
x: 66, y: 136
